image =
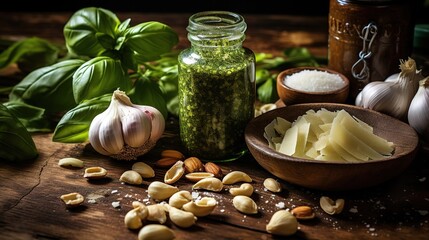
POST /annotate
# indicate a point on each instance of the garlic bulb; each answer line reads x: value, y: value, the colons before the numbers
x: 392, y: 97
x: 125, y: 130
x: 418, y: 113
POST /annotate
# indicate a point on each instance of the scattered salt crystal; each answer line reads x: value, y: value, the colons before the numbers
x: 93, y: 201
x: 371, y: 229
x: 314, y: 81
x: 422, y: 179
x: 423, y: 212
x: 280, y: 205
x: 114, y: 191
x: 195, y: 195
x: 116, y: 204
x: 353, y: 209
x: 222, y: 210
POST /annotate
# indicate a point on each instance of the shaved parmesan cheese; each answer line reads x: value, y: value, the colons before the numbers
x: 327, y: 136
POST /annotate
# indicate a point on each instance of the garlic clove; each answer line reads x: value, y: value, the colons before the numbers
x: 157, y: 119
x: 136, y: 126
x: 110, y: 132
x: 418, y: 112
x: 94, y: 135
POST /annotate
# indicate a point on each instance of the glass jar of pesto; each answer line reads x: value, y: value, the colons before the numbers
x: 216, y: 86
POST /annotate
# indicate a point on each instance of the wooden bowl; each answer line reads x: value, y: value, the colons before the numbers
x: 327, y: 175
x: 291, y: 96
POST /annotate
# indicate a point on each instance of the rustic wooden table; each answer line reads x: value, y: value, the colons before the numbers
x: 30, y: 207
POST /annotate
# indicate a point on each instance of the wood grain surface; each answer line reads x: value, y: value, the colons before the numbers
x: 30, y: 207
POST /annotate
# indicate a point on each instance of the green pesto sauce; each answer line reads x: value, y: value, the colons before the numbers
x: 216, y: 99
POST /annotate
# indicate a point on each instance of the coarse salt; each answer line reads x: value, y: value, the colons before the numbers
x: 116, y: 204
x: 314, y: 81
x: 280, y: 205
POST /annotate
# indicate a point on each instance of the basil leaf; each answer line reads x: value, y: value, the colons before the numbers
x: 147, y: 92
x: 169, y: 87
x: 81, y: 30
x: 16, y: 143
x: 262, y: 75
x: 33, y: 118
x: 148, y: 41
x: 73, y: 127
x: 165, y: 72
x: 124, y: 25
x: 173, y: 106
x: 105, y: 40
x: 127, y: 59
x: 267, y: 92
x: 297, y: 52
x: 48, y: 87
x: 30, y: 54
x: 98, y: 76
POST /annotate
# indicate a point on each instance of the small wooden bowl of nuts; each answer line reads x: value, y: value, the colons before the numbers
x: 285, y: 143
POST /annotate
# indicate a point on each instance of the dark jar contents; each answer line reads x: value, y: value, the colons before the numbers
x: 367, y: 39
x: 216, y: 87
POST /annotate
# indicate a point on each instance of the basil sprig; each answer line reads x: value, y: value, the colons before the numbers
x: 104, y: 54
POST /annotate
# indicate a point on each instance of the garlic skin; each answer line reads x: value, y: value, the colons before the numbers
x: 125, y: 130
x: 392, y: 97
x: 418, y: 113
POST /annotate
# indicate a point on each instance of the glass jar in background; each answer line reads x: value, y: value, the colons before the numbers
x: 367, y: 39
x: 216, y: 86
